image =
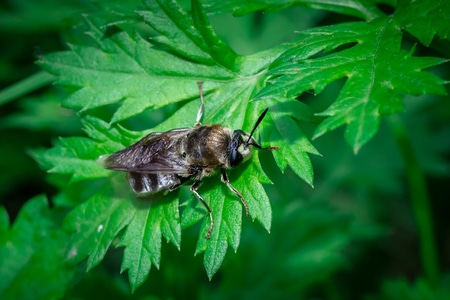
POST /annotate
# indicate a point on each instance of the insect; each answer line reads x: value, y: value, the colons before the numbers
x: 163, y: 161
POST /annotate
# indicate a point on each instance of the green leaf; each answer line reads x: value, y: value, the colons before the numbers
x: 43, y: 114
x: 127, y: 69
x: 122, y: 72
x: 143, y: 236
x: 227, y: 211
x: 112, y: 137
x: 218, y: 50
x: 95, y: 223
x: 364, y: 9
x: 403, y: 289
x: 31, y: 253
x: 251, y: 188
x: 177, y: 30
x: 73, y: 156
x: 25, y: 86
x: 227, y: 215
x: 4, y: 223
x: 138, y: 74
x: 283, y: 127
x: 424, y: 19
x: 379, y: 73
x: 77, y: 156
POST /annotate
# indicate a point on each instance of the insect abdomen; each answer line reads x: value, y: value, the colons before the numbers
x: 143, y: 183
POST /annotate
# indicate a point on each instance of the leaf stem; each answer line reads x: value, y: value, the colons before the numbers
x: 420, y: 201
x: 25, y: 86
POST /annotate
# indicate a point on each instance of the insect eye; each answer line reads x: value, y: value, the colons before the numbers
x: 235, y: 157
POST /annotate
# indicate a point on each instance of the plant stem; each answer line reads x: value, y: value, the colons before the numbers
x: 420, y: 202
x: 25, y: 86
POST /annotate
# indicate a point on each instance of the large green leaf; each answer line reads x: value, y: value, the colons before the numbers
x: 129, y: 73
x: 138, y: 74
x: 378, y: 74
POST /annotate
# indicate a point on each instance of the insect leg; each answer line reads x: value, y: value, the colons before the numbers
x: 227, y: 182
x: 194, y: 188
x: 200, y: 110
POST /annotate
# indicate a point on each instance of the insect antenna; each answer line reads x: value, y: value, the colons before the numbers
x: 261, y: 117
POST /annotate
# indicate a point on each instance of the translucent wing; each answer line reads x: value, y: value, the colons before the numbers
x: 158, y: 152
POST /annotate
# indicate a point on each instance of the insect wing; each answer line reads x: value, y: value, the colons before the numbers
x: 158, y: 152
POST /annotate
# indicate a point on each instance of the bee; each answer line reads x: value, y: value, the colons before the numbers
x: 163, y: 161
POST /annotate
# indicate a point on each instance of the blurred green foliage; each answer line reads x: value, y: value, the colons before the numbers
x: 354, y: 235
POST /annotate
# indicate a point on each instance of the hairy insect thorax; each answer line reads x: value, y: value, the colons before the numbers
x: 213, y: 146
x: 207, y: 146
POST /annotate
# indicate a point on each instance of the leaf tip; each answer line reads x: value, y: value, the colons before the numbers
x: 210, y: 276
x: 317, y: 135
x: 356, y: 148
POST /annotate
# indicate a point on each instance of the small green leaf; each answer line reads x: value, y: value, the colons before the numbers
x: 25, y: 86
x: 143, y: 247
x: 143, y: 236
x: 403, y: 289
x: 176, y: 29
x: 227, y: 214
x: 227, y: 211
x: 4, y: 224
x: 77, y: 156
x: 424, y: 18
x: 95, y: 223
x: 113, y: 138
x: 250, y: 185
x: 31, y: 253
x: 74, y: 156
x: 218, y: 50
x: 43, y: 113
x: 283, y: 127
